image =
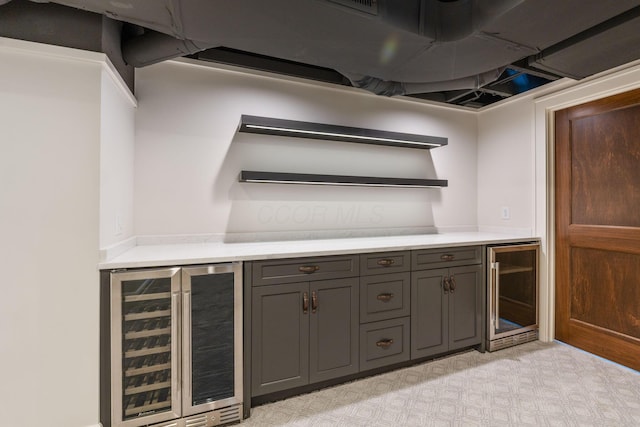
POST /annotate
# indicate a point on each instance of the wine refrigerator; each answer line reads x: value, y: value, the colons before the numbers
x: 174, y: 338
x: 512, y: 295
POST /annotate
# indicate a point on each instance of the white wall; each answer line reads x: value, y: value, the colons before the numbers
x: 506, y: 176
x: 50, y: 127
x: 117, y: 142
x: 189, y: 155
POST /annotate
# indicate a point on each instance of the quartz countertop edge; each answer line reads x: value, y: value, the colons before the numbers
x: 161, y: 255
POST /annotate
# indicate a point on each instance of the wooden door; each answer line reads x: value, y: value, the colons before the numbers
x: 598, y: 227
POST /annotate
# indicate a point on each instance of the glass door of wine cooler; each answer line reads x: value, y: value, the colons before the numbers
x: 211, y: 337
x: 513, y: 290
x: 145, y: 356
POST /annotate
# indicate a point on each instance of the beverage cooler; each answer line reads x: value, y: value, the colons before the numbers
x: 174, y: 338
x: 512, y: 278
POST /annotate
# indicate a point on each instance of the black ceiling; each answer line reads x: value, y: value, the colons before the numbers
x: 464, y: 52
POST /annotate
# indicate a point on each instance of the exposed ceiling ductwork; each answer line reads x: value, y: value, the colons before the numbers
x: 468, y: 52
x: 153, y: 47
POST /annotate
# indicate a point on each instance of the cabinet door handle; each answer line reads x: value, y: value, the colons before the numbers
x: 305, y: 302
x: 386, y: 262
x: 447, y: 257
x: 452, y: 283
x: 384, y: 297
x: 446, y: 285
x: 308, y: 269
x: 384, y: 343
x: 314, y: 301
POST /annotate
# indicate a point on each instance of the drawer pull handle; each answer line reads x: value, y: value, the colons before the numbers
x: 452, y: 283
x: 305, y: 302
x: 386, y: 262
x: 384, y: 344
x: 384, y: 297
x: 308, y: 269
x: 447, y: 257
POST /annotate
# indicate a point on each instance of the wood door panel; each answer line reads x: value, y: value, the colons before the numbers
x: 605, y: 290
x: 621, y: 239
x: 605, y: 162
x: 604, y: 344
x: 597, y: 198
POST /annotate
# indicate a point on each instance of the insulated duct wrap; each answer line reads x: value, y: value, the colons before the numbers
x: 453, y: 20
x: 153, y: 47
x: 391, y: 88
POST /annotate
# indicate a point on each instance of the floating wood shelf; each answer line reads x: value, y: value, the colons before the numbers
x: 293, y: 128
x: 345, y: 180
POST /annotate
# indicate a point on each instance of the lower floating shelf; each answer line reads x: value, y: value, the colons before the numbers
x: 314, y: 179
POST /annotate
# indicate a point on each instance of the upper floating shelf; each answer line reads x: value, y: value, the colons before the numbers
x: 293, y: 128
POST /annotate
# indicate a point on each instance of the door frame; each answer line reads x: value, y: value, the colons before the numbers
x: 566, y: 93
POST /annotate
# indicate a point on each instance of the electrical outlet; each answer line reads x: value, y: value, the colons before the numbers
x: 119, y: 227
x: 505, y: 212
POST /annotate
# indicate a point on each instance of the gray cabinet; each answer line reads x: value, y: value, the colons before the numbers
x: 446, y: 303
x: 319, y: 319
x: 303, y: 333
x: 384, y: 309
x: 385, y: 263
x: 384, y: 343
x: 280, y: 338
x: 384, y: 296
x: 333, y: 329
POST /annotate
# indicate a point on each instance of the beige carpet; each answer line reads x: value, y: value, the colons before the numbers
x: 534, y: 384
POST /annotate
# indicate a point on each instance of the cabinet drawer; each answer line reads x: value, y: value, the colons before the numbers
x: 384, y: 343
x: 448, y: 257
x: 385, y: 262
x: 303, y: 269
x: 385, y: 296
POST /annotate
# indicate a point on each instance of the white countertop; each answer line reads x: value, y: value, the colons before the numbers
x: 216, y: 252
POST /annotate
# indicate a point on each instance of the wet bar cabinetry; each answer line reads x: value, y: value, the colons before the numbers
x: 304, y: 326
x: 324, y: 320
x: 385, y: 307
x: 447, y: 300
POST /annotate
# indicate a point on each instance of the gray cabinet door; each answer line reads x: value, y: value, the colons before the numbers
x: 465, y: 306
x: 429, y: 320
x: 280, y: 338
x: 334, y: 340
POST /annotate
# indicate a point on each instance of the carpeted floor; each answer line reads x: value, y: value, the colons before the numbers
x: 534, y: 384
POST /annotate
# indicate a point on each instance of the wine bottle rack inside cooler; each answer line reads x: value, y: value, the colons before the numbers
x: 144, y: 346
x: 146, y: 334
